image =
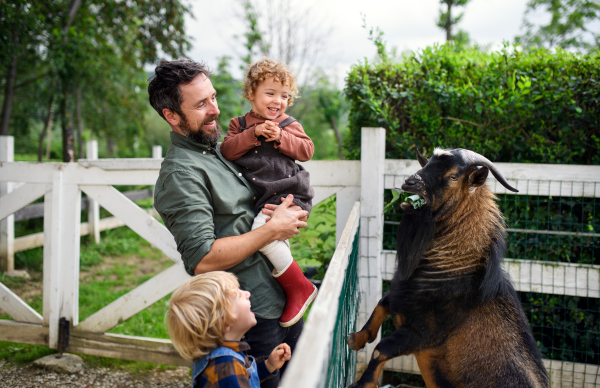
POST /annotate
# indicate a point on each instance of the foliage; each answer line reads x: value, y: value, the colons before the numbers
x: 566, y: 328
x: 321, y: 111
x: 557, y: 215
x: 446, y: 21
x: 508, y: 105
x: 99, y: 48
x: 228, y: 93
x: 315, y: 245
x: 571, y: 25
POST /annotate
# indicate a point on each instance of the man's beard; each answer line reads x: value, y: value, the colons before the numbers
x: 199, y: 135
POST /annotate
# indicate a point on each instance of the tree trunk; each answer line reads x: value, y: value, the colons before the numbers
x: 73, y: 7
x: 47, y: 126
x: 79, y: 124
x: 9, y: 91
x: 338, y: 135
x: 49, y: 143
x: 111, y: 146
x: 449, y: 22
x: 67, y: 132
x: 68, y: 138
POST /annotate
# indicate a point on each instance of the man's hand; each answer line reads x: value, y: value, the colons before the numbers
x: 278, y: 357
x: 269, y: 208
x: 286, y: 219
x: 227, y: 252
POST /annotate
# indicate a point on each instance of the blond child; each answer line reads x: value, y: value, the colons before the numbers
x: 207, y: 318
x: 265, y: 143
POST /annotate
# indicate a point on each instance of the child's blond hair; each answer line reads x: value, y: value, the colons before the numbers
x: 199, y: 311
x: 266, y: 68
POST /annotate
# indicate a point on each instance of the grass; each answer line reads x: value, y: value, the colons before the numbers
x: 122, y: 261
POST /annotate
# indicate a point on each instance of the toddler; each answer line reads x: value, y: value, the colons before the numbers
x: 207, y: 318
x: 265, y: 142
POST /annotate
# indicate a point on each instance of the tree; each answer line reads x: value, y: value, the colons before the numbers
x: 332, y: 105
x: 446, y: 22
x: 92, y: 52
x: 20, y: 24
x: 292, y: 34
x: 569, y: 27
x: 228, y: 92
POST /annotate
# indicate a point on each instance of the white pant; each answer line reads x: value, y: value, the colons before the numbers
x: 278, y: 252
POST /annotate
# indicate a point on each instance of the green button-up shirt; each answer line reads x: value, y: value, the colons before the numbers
x: 202, y: 197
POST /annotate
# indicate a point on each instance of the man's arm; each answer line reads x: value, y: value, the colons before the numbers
x: 227, y: 252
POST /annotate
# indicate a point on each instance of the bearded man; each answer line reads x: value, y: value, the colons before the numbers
x: 207, y: 205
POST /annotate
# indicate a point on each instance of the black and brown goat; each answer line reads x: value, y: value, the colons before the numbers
x: 452, y: 305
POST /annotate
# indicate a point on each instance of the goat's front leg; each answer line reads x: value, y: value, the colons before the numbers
x: 368, y: 333
x: 400, y: 342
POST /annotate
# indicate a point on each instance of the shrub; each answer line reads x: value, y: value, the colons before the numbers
x: 510, y: 106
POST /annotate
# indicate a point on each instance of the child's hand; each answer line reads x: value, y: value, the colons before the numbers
x: 272, y: 131
x: 278, y: 357
x: 259, y: 130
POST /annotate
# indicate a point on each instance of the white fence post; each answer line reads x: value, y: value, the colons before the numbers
x: 7, y: 225
x: 52, y: 295
x: 70, y: 243
x: 93, y: 207
x: 62, y: 222
x: 371, y: 230
x: 156, y: 152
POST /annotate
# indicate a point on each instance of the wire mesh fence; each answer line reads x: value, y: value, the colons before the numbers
x: 553, y: 258
x: 342, y: 360
x: 322, y: 357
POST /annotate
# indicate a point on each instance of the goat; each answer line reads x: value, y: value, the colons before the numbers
x: 451, y: 303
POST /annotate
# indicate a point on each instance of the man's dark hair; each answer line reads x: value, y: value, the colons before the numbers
x: 163, y: 86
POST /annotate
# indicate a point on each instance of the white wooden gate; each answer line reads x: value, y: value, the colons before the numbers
x: 61, y: 184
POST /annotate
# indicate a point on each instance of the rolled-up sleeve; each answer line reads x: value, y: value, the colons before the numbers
x: 185, y: 205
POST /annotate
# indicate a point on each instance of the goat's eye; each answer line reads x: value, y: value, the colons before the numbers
x: 454, y: 177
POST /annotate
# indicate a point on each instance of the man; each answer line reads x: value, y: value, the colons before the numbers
x: 208, y: 206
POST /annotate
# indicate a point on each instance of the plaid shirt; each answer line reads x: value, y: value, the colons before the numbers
x: 228, y: 372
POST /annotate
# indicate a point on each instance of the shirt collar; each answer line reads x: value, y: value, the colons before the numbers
x: 236, y: 346
x: 183, y: 141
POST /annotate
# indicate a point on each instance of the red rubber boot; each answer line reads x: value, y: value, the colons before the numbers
x: 299, y: 291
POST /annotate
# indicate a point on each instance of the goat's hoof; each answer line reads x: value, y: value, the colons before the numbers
x: 356, y: 341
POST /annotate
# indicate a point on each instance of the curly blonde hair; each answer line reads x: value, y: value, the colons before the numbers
x: 266, y: 68
x: 199, y: 311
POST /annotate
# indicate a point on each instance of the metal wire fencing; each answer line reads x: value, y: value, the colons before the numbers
x: 342, y: 360
x: 322, y: 358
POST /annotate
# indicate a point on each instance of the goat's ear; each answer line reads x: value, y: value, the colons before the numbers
x: 422, y: 160
x: 478, y: 177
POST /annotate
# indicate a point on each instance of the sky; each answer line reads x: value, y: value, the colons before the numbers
x: 406, y: 24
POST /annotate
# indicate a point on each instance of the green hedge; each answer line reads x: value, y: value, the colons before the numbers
x: 510, y: 106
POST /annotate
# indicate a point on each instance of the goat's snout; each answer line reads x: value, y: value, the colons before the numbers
x: 412, y: 183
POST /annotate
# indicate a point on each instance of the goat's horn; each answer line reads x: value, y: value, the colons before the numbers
x: 474, y: 158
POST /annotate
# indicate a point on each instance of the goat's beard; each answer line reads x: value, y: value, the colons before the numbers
x: 199, y: 135
x: 415, y: 233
